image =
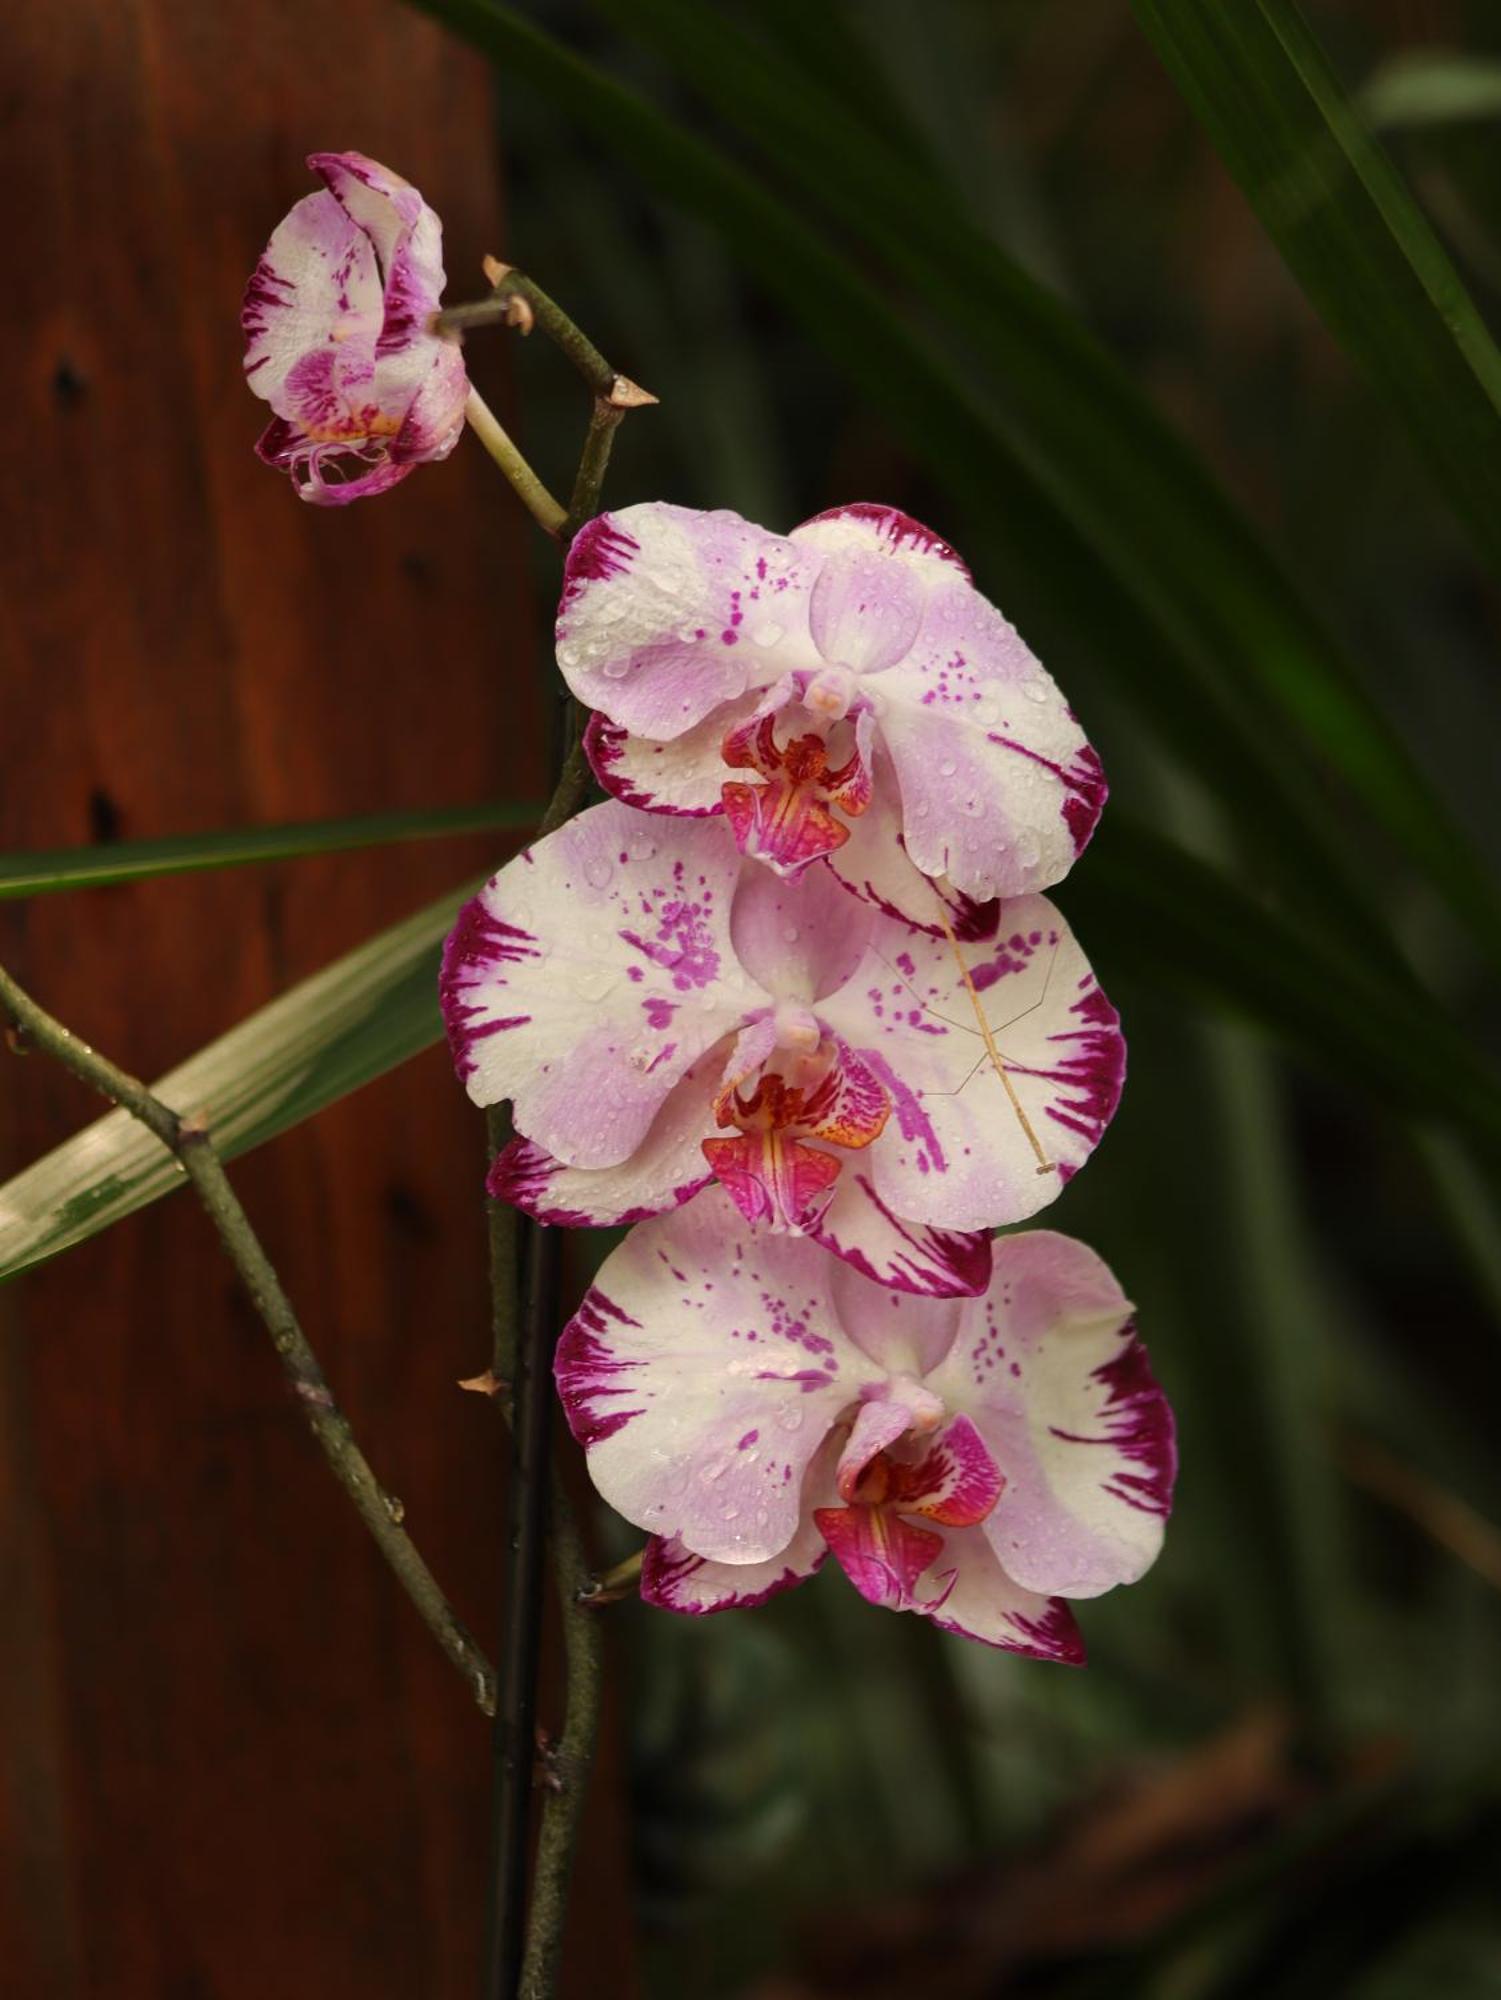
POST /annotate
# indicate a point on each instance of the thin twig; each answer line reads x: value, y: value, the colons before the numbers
x: 529, y: 489
x: 190, y: 1142
x: 516, y: 1709
x: 571, y: 1759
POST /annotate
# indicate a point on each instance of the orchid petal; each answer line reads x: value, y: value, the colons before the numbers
x: 882, y: 1555
x: 666, y: 1169
x: 674, y: 1579
x: 684, y: 776
x: 1048, y: 1367
x: 801, y: 938
x: 956, y: 1152
x: 702, y: 1373
x: 873, y: 864
x: 904, y: 1332
x: 975, y: 1598
x: 667, y: 612
x: 955, y: 1484
x: 858, y: 1227
x: 317, y: 280
x: 1000, y: 789
x: 591, y: 973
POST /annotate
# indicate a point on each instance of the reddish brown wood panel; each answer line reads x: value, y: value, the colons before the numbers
x: 232, y: 1763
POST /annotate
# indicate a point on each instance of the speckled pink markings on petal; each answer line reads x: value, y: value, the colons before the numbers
x: 601, y: 967
x: 876, y: 630
x: 336, y: 318
x: 591, y: 974
x: 737, y: 1397
x: 954, y: 1151
x: 702, y: 1374
x: 1048, y: 1367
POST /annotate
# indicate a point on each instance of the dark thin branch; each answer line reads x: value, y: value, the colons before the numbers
x: 190, y: 1143
x: 516, y: 1710
x: 571, y: 1759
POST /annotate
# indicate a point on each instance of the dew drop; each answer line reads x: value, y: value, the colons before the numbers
x: 598, y: 872
x: 947, y: 768
x: 594, y: 985
x: 617, y: 668
x: 790, y: 933
x: 1035, y: 690
x: 766, y: 635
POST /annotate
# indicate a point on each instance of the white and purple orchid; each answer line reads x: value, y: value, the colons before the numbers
x: 337, y: 336
x: 755, y: 1405
x: 664, y: 1013
x: 843, y: 691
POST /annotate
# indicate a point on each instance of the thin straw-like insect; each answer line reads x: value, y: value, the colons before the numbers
x: 987, y: 1034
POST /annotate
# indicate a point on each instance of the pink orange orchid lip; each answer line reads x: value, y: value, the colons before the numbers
x: 756, y: 1406
x: 711, y: 646
x: 338, y: 338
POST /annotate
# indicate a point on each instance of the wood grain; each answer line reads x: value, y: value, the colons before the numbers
x: 231, y: 1762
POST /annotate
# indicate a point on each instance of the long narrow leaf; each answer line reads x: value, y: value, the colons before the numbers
x: 1346, y: 222
x: 351, y: 1022
x: 45, y: 873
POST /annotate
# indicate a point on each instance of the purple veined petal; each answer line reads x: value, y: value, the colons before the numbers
x: 674, y: 1579
x: 865, y: 528
x: 801, y: 937
x: 591, y: 973
x: 317, y: 281
x: 858, y: 1227
x: 336, y: 319
x: 666, y: 1169
x: 873, y: 865
x: 702, y: 1373
x: 956, y: 1483
x: 1000, y: 789
x: 668, y: 612
x: 385, y: 208
x: 1048, y: 1367
x: 955, y: 1153
x: 972, y: 1595
x: 684, y: 777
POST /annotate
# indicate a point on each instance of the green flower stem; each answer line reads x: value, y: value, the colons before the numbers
x: 191, y: 1145
x: 534, y: 496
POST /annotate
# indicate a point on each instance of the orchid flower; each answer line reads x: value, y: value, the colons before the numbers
x: 664, y: 1013
x: 336, y: 322
x: 753, y: 1405
x: 843, y: 691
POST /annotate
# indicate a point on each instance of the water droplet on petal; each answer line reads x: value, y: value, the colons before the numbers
x: 1035, y: 690
x: 947, y: 768
x: 617, y: 668
x: 767, y: 634
x: 598, y: 871
x: 790, y: 933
